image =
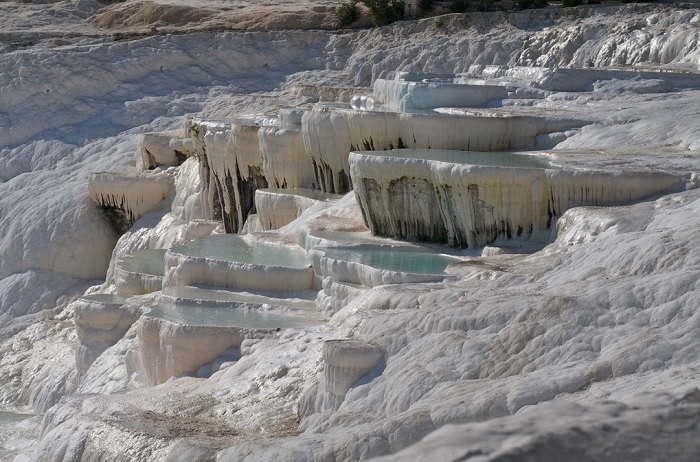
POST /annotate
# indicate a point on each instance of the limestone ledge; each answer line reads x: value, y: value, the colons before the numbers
x: 471, y: 205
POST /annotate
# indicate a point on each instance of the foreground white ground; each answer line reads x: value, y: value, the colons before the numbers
x: 587, y: 349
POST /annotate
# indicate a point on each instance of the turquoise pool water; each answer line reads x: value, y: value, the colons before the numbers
x: 491, y: 159
x: 394, y: 260
x: 150, y: 262
x: 225, y: 317
x: 234, y: 248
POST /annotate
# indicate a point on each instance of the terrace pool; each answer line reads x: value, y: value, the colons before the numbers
x: 236, y: 249
x: 151, y: 262
x: 392, y: 259
x: 194, y: 315
x: 193, y: 295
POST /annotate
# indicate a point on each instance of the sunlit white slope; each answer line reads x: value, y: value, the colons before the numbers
x: 101, y: 89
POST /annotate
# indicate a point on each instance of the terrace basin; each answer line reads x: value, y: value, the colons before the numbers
x: 372, y: 265
x: 239, y: 262
x: 140, y: 272
x: 294, y: 302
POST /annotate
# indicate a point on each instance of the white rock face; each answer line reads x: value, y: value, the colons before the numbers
x: 159, y: 149
x: 279, y: 207
x: 189, y: 203
x: 232, y: 169
x: 276, y: 209
x: 285, y: 162
x: 552, y: 433
x: 133, y: 195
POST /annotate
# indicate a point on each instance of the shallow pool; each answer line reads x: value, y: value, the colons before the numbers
x: 225, y: 317
x: 394, y: 260
x: 151, y: 261
x: 226, y: 296
x: 234, y: 248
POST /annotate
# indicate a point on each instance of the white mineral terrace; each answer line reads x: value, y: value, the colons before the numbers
x: 240, y: 263
x: 330, y: 134
x: 429, y: 93
x: 173, y: 349
x: 559, y: 79
x: 290, y: 117
x: 140, y: 272
x: 484, y: 86
x: 277, y: 207
x: 135, y: 195
x: 179, y: 339
x: 373, y: 265
x: 468, y: 199
x: 293, y: 302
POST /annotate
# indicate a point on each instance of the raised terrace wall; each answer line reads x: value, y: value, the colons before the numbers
x: 472, y: 205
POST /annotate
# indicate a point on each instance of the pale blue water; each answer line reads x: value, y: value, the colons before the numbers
x: 233, y: 248
x: 491, y: 159
x: 395, y: 260
x: 310, y: 193
x: 144, y: 261
x: 224, y: 296
x: 225, y: 317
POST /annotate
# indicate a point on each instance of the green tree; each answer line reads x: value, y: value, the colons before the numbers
x: 347, y: 14
x: 385, y: 12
